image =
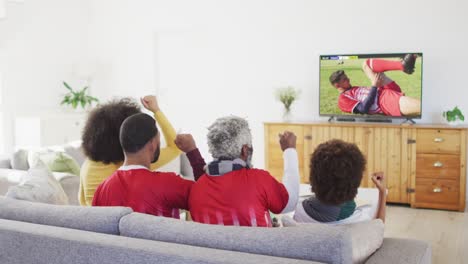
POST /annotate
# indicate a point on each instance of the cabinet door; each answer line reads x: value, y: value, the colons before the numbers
x: 274, y: 154
x: 363, y: 138
x: 386, y: 156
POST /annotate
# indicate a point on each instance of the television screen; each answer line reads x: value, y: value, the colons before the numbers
x: 371, y: 85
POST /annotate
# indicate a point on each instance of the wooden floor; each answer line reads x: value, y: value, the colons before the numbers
x: 446, y: 231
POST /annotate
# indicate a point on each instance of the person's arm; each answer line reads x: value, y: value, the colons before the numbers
x: 364, y: 106
x: 291, y: 170
x: 379, y: 180
x: 186, y: 143
x: 171, y: 151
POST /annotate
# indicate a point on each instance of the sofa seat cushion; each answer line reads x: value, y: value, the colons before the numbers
x: 96, y: 219
x: 314, y: 242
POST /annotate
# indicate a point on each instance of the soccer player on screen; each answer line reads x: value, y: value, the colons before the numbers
x: 384, y: 97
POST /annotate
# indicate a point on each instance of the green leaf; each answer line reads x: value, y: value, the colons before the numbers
x: 68, y: 86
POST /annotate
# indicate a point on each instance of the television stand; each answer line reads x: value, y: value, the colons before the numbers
x: 409, y: 120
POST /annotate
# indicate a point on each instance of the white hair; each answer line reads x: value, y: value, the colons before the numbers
x: 227, y: 135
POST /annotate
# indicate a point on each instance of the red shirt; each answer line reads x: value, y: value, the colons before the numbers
x: 242, y: 197
x: 148, y: 192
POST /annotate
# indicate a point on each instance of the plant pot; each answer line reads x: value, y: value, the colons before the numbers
x: 455, y: 123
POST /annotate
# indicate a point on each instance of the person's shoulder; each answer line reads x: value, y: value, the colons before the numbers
x: 169, y: 175
x: 260, y: 173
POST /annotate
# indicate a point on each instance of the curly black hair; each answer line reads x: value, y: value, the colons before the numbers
x: 336, y: 169
x: 101, y: 132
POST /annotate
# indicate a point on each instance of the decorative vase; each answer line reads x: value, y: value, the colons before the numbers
x: 287, y: 115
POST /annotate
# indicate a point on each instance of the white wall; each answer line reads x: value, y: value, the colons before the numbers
x: 206, y: 59
x: 42, y: 43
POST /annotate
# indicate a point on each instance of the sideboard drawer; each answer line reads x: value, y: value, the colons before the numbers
x: 434, y: 166
x: 438, y: 141
x: 437, y: 191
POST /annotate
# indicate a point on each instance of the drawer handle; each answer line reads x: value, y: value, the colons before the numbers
x: 438, y: 164
x: 437, y: 190
x: 438, y: 140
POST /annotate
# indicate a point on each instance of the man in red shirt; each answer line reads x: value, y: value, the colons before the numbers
x: 232, y: 192
x: 384, y: 97
x: 133, y: 184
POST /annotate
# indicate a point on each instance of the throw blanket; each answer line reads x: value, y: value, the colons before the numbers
x: 221, y: 167
x: 328, y: 213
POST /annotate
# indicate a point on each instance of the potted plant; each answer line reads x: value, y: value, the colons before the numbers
x: 287, y: 96
x: 77, y: 98
x: 454, y: 117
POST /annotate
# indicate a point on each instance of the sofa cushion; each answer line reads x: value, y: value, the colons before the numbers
x: 311, y: 242
x: 96, y: 219
x: 70, y: 184
x: 56, y: 161
x: 39, y: 185
x: 19, y: 160
x: 366, y: 236
x: 402, y: 251
x: 75, y: 150
x: 10, y: 177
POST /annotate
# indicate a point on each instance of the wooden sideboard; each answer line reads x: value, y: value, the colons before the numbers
x: 424, y: 164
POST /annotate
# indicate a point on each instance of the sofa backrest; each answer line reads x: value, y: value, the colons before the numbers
x: 314, y: 242
x: 96, y: 219
x: 22, y: 242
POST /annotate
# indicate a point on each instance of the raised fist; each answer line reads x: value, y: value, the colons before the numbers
x: 150, y: 102
x: 185, y: 142
x: 379, y: 180
x: 287, y: 140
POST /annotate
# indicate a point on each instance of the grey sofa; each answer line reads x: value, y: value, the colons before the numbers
x: 43, y: 233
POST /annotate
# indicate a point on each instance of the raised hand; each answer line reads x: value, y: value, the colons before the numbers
x: 287, y: 140
x: 379, y: 180
x: 185, y: 142
x: 150, y: 102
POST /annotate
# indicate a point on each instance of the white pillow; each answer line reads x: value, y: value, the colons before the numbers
x: 39, y: 185
x: 366, y: 237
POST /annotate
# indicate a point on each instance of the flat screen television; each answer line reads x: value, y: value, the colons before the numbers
x: 371, y: 86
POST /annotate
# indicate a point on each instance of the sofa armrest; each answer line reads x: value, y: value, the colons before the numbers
x: 404, y: 251
x: 5, y: 162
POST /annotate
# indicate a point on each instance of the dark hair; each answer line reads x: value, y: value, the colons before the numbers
x: 101, y: 132
x: 336, y: 76
x: 336, y: 169
x: 136, y: 131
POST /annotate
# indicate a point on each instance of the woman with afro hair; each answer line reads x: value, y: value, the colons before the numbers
x: 101, y: 143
